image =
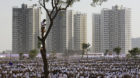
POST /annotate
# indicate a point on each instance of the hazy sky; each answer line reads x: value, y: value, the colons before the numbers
x: 83, y: 6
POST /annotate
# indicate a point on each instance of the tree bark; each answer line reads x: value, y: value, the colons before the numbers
x: 43, y: 54
x: 45, y: 61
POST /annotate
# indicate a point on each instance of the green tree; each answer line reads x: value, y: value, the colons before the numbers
x: 20, y: 56
x: 106, y: 52
x: 57, y: 6
x: 33, y: 54
x: 134, y: 52
x: 128, y: 56
x: 85, y: 47
x: 117, y: 50
x: 53, y: 55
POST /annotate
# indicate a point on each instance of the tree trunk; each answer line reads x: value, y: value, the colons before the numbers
x: 45, y: 61
x: 43, y: 49
x: 45, y: 67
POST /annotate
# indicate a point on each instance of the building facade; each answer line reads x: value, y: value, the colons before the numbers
x: 62, y: 35
x: 25, y: 29
x: 111, y: 29
x: 96, y: 32
x: 57, y: 37
x: 80, y: 30
x: 135, y: 42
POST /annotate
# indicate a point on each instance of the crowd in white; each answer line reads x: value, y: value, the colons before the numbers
x: 72, y: 68
x: 20, y: 69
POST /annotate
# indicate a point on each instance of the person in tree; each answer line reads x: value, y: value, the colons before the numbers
x: 43, y: 24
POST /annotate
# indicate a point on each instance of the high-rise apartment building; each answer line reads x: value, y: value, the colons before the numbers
x: 135, y: 42
x: 62, y: 35
x: 96, y: 32
x: 111, y: 29
x: 80, y: 30
x: 25, y: 29
x: 57, y: 39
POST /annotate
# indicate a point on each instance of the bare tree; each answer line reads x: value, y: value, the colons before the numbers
x: 57, y: 6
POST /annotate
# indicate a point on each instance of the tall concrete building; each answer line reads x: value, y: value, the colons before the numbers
x: 135, y: 42
x: 80, y: 30
x: 62, y: 35
x: 70, y: 30
x: 25, y: 29
x: 111, y: 29
x: 57, y: 35
x: 96, y: 32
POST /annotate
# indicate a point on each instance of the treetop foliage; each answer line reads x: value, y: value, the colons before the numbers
x: 117, y: 50
x: 33, y: 53
x: 97, y: 2
x: 67, y: 3
x: 134, y: 52
x: 85, y: 45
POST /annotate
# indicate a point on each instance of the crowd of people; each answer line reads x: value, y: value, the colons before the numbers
x: 20, y: 69
x: 99, y: 67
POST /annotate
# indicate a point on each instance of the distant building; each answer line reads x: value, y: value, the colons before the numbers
x: 135, y: 42
x: 57, y: 39
x: 111, y: 29
x: 80, y: 30
x: 6, y: 51
x: 96, y: 31
x: 63, y: 33
x: 25, y: 29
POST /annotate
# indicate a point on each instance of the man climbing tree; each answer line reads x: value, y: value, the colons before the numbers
x: 57, y: 6
x: 43, y: 24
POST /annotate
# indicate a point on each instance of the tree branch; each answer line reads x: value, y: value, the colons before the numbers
x: 52, y: 3
x: 39, y: 38
x: 49, y: 29
x: 68, y: 4
x: 55, y: 14
x: 43, y: 4
x: 53, y: 8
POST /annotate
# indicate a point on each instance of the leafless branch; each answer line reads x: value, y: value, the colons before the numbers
x: 43, y: 4
x: 53, y: 15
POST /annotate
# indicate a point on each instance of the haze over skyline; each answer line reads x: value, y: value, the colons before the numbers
x: 82, y: 6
